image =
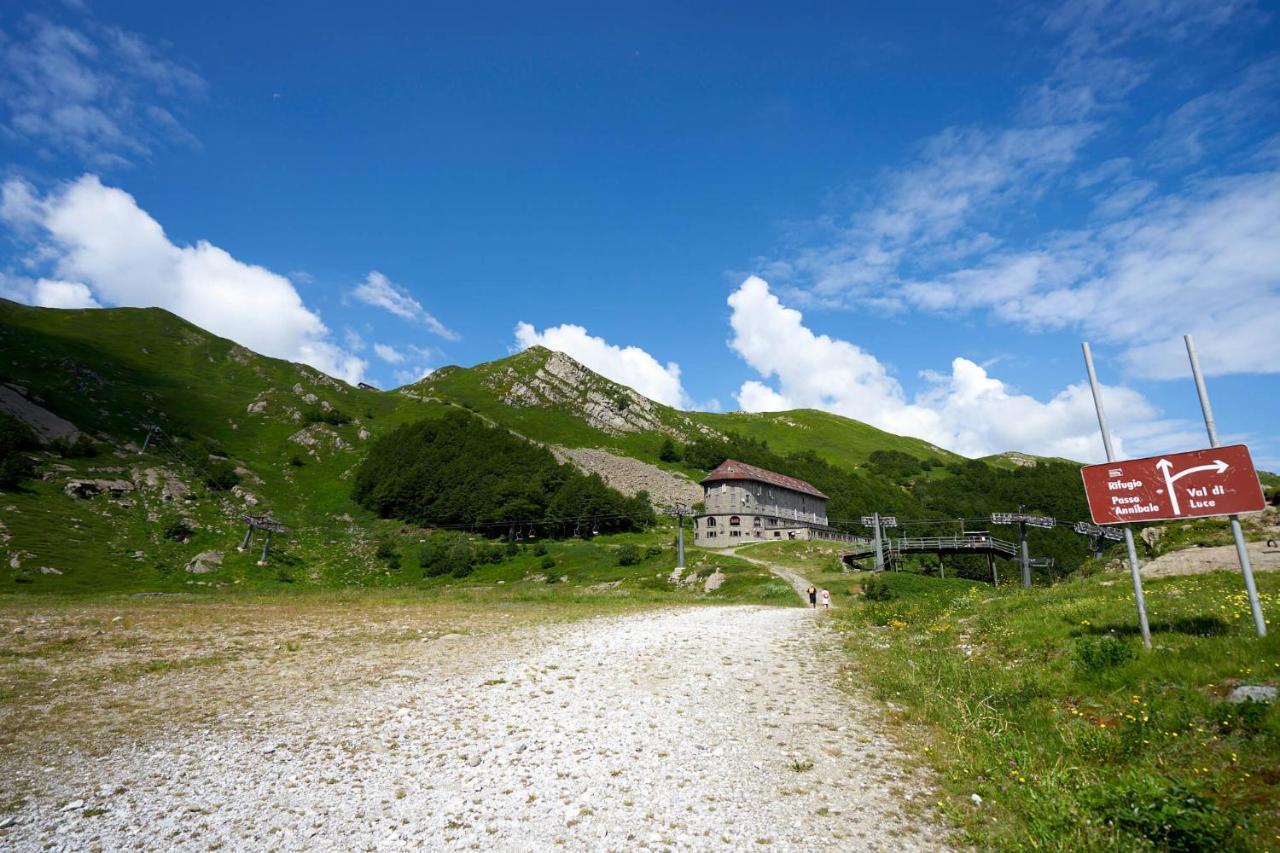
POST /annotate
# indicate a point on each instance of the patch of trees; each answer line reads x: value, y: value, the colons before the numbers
x: 16, y: 440
x: 332, y: 417
x: 458, y: 470
x: 448, y: 552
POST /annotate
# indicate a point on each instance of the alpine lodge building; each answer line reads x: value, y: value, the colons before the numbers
x: 743, y: 503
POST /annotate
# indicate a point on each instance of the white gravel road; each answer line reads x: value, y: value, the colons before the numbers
x: 694, y: 728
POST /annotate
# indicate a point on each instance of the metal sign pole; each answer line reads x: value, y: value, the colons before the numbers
x: 875, y: 517
x: 680, y: 537
x: 1255, y: 605
x: 1026, y: 555
x: 1128, y: 531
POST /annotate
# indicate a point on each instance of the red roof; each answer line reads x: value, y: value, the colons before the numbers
x: 732, y: 469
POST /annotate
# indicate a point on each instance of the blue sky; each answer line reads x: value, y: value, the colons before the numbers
x: 908, y: 215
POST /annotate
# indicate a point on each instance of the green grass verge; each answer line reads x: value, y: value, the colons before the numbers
x: 1043, y: 704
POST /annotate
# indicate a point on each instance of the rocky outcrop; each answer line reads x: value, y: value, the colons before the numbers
x: 558, y: 381
x: 205, y: 562
x: 172, y: 489
x: 84, y: 489
x: 45, y: 424
x: 319, y: 436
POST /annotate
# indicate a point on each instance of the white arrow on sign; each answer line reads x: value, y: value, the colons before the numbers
x: 1169, y: 479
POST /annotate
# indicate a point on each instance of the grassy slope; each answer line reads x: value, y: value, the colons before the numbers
x: 111, y: 372
x: 1068, y: 754
x: 839, y: 440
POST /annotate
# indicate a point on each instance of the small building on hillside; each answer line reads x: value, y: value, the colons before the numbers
x: 744, y: 503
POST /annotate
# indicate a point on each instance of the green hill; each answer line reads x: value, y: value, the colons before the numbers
x: 229, y: 432
x: 292, y: 436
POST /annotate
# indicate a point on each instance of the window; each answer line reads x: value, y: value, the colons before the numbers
x: 711, y: 521
x: 756, y: 521
x: 735, y: 532
x: 734, y: 521
x: 711, y: 534
x: 777, y: 534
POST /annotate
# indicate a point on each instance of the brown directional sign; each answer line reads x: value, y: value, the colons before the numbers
x: 1216, y: 481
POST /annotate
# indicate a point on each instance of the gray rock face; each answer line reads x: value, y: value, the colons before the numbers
x: 1252, y: 693
x: 629, y: 475
x: 77, y: 488
x: 205, y: 562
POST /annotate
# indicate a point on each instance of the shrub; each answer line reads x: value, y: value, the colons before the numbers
x: 220, y: 475
x: 332, y: 417
x: 1095, y: 654
x: 669, y: 452
x: 1246, y: 718
x: 628, y: 555
x: 539, y: 549
x: 296, y: 461
x: 82, y: 447
x: 548, y: 562
x: 877, y: 590
x: 653, y: 550
x: 284, y: 576
x: 178, y: 529
x: 1166, y: 813
x: 15, y: 438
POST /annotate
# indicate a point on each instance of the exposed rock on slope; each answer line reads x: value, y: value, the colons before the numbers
x: 561, y: 380
x: 46, y: 425
x: 629, y: 475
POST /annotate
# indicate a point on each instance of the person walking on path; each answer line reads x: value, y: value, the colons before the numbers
x: 813, y: 597
x: 826, y: 599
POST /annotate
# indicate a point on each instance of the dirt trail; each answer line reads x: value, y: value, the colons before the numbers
x: 799, y: 583
x: 691, y: 729
x: 1219, y: 558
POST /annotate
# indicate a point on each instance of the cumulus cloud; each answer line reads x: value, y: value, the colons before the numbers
x: 1205, y: 262
x: 1154, y: 254
x: 381, y: 292
x: 967, y: 411
x: 388, y: 353
x: 630, y: 366
x: 92, y: 91
x: 47, y: 293
x: 101, y: 245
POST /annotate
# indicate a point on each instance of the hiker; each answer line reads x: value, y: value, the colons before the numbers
x: 826, y: 599
x: 813, y: 597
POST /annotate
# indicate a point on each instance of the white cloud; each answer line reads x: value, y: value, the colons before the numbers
x: 1206, y: 262
x: 63, y: 294
x: 47, y: 293
x: 967, y: 411
x: 415, y: 374
x: 389, y: 354
x: 98, y: 236
x: 90, y: 91
x: 954, y: 230
x: 630, y: 366
x: 381, y: 292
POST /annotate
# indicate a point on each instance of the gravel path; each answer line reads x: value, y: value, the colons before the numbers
x: 799, y: 583
x: 695, y: 728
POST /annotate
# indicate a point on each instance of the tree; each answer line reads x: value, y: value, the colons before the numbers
x: 669, y: 452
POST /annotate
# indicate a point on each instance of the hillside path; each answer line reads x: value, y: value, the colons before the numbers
x: 1218, y: 558
x: 798, y: 582
x: 689, y: 729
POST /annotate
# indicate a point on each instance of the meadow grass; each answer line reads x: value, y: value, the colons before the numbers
x: 1050, y: 727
